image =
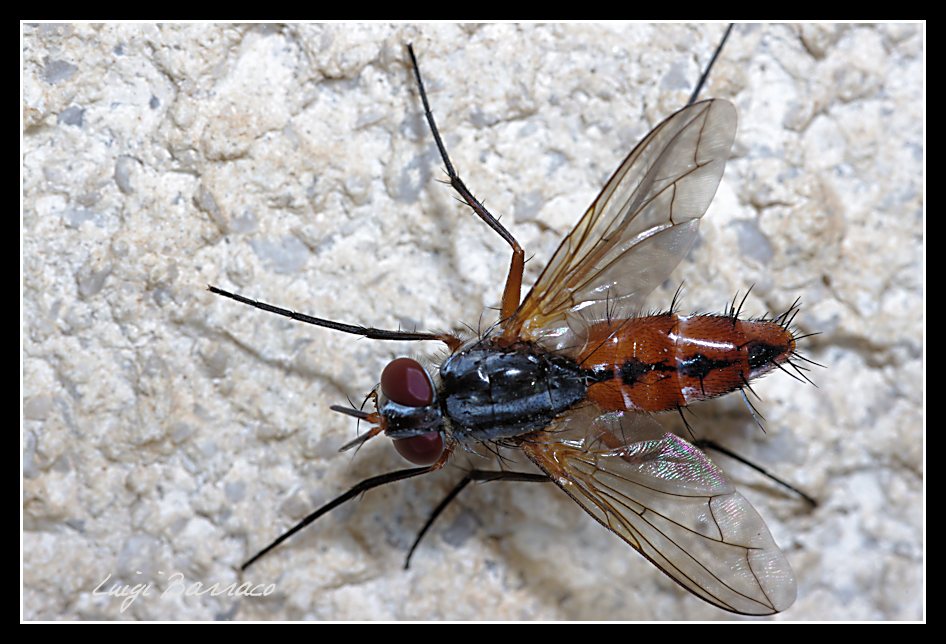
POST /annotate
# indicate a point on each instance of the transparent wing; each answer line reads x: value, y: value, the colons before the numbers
x: 638, y: 229
x: 671, y: 503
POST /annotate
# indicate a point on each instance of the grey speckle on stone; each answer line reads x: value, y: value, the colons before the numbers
x: 459, y: 531
x: 124, y: 166
x: 71, y: 116
x: 286, y: 255
x: 206, y: 201
x: 91, y: 278
x: 75, y: 217
x: 753, y: 244
x: 57, y: 71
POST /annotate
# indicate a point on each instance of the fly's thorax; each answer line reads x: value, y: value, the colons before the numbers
x: 492, y: 390
x: 662, y: 362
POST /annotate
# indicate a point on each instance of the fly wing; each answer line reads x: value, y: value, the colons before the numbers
x: 665, y: 498
x: 637, y: 230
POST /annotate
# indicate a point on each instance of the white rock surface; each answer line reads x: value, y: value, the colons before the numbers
x: 168, y: 432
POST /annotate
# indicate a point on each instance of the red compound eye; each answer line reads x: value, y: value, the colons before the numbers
x: 405, y: 382
x: 421, y: 450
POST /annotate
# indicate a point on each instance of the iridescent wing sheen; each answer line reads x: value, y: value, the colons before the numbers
x: 637, y: 230
x: 665, y: 498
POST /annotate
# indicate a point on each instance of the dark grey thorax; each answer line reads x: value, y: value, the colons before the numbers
x: 488, y: 392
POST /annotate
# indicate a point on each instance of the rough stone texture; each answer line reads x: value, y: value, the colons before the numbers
x: 167, y: 431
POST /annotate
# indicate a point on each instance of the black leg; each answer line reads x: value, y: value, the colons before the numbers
x: 709, y: 66
x: 455, y: 180
x: 364, y: 486
x: 513, y: 286
x: 475, y: 475
x: 708, y: 444
x: 368, y: 332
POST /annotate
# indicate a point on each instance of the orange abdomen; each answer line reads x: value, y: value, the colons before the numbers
x: 662, y: 362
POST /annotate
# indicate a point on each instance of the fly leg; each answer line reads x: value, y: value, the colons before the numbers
x: 703, y: 443
x: 474, y: 475
x: 357, y: 490
x: 709, y: 66
x: 369, y: 332
x: 513, y: 287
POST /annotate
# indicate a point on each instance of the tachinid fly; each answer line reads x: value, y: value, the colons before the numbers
x: 570, y: 374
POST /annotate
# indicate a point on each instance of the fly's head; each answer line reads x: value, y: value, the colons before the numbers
x: 408, y: 412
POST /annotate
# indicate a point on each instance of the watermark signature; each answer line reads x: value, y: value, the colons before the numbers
x: 177, y: 586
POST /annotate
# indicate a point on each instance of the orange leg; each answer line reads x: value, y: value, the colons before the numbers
x: 513, y: 288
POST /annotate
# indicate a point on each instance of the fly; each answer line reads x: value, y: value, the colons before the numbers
x: 570, y: 374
